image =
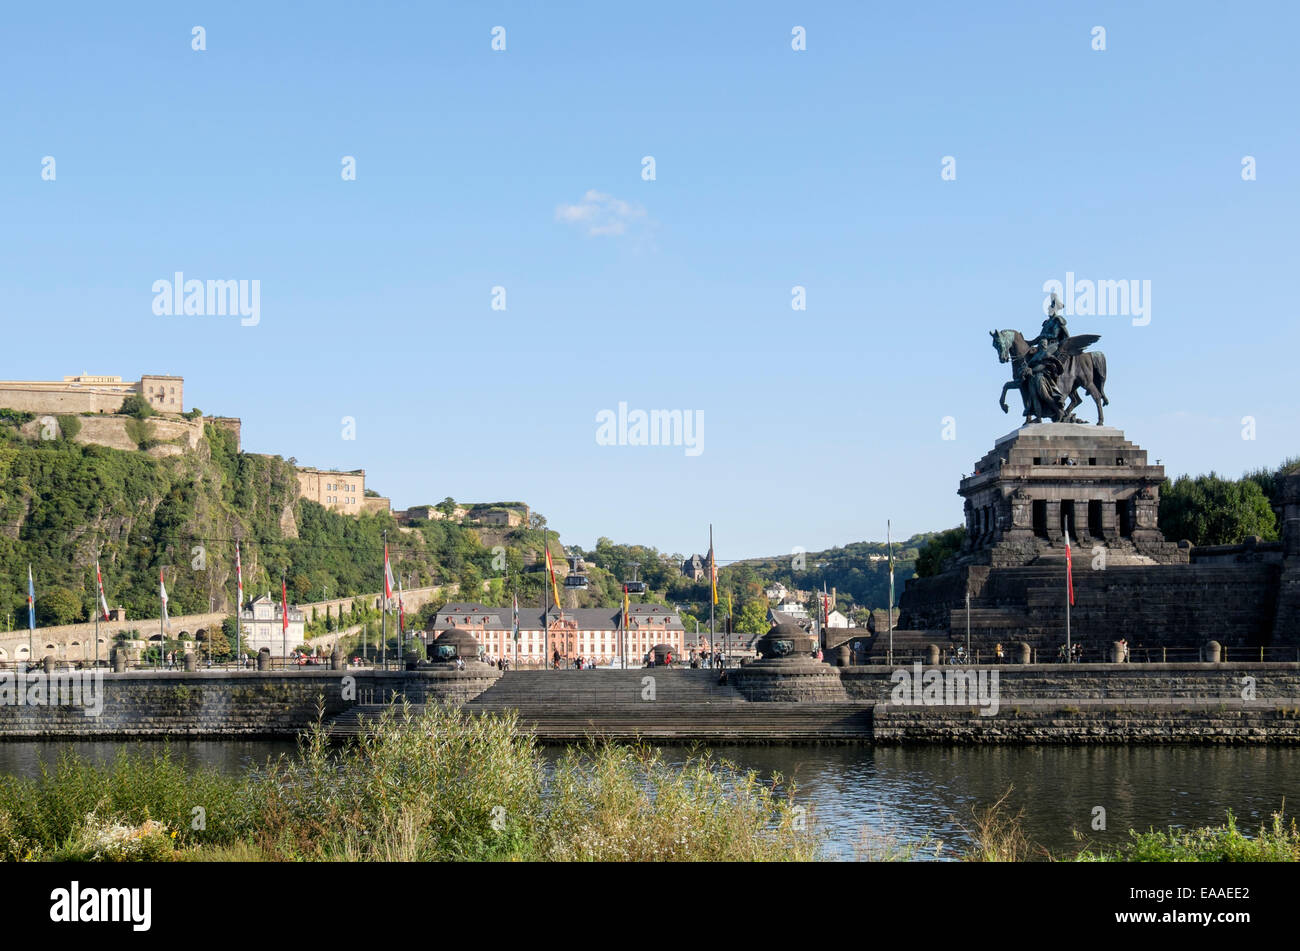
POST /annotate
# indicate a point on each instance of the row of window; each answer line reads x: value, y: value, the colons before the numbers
x: 352, y: 500
x: 340, y: 487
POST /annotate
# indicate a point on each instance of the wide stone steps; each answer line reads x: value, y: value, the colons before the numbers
x: 602, y: 687
x: 807, y: 722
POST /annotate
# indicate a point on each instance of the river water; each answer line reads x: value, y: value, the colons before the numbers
x: 873, y: 800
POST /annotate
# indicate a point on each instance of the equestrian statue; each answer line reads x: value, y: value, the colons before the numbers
x: 1049, y: 370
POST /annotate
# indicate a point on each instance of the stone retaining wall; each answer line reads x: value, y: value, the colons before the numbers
x: 1060, y: 682
x: 225, y: 703
x: 1057, y: 723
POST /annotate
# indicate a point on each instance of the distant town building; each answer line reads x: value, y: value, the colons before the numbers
x: 696, y: 567
x: 581, y: 632
x: 340, y: 491
x: 88, y: 394
x: 776, y: 592
x: 261, y: 625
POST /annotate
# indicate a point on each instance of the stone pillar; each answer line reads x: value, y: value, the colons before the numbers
x: 1109, y: 526
x: 1054, y: 520
x: 336, y: 659
x: 1024, y: 651
x: 263, y: 660
x: 119, y: 659
x: 1212, y: 651
x: 1116, y: 652
x: 1081, y: 520
x: 191, y: 662
x: 932, y: 655
x: 842, y: 654
x: 49, y: 663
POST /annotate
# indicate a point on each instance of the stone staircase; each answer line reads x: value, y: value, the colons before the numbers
x: 687, y: 706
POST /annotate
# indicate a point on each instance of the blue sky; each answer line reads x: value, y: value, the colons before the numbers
x: 774, y: 168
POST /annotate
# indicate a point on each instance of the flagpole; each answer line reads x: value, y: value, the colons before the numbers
x: 889, y: 609
x: 239, y: 603
x: 546, y: 604
x: 31, y: 616
x: 713, y: 574
x: 1069, y: 650
x: 383, y: 616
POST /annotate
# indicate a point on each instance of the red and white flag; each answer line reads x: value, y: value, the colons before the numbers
x: 162, y: 594
x: 99, y: 583
x: 284, y: 606
x: 1069, y: 568
x: 388, y: 580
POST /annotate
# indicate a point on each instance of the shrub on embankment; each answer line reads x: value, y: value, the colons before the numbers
x: 442, y: 786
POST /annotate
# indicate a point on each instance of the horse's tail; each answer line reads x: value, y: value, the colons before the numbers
x: 1099, y: 375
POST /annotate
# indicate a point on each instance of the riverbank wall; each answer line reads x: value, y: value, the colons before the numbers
x: 1084, y: 704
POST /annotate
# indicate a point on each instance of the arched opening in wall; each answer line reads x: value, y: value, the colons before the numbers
x: 4, y: 654
x: 1039, y: 508
x: 22, y: 653
x: 1094, y: 518
x: 156, y: 638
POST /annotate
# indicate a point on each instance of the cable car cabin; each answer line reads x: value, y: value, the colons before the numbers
x: 636, y: 587
x: 577, y: 582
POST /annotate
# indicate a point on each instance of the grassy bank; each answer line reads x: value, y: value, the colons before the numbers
x: 439, y: 787
x: 443, y: 786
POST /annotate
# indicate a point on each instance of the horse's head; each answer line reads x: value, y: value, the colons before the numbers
x: 1002, y: 343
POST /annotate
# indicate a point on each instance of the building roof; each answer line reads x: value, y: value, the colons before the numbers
x: 482, y: 617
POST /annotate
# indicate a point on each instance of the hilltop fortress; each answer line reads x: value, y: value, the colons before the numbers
x: 87, y: 395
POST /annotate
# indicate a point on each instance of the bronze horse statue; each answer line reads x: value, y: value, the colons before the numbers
x: 1077, y: 369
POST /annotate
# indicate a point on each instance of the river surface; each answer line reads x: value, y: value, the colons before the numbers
x: 871, y: 801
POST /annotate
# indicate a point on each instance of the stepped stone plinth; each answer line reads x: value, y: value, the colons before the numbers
x: 1047, y: 479
x: 787, y: 670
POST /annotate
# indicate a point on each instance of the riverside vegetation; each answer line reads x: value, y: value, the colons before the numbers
x: 440, y: 786
x: 446, y: 786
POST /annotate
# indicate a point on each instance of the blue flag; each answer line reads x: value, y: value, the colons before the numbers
x: 31, y: 601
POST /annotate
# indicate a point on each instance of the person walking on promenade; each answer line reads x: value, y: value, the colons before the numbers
x: 998, y: 651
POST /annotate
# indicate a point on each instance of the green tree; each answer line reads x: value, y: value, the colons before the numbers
x: 1209, y: 510
x: 57, y: 605
x: 753, y: 617
x: 938, y: 549
x: 136, y: 405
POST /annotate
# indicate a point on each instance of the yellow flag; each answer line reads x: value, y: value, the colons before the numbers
x: 713, y: 573
x: 550, y: 566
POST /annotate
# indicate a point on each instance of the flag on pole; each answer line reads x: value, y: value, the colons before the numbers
x: 162, y: 596
x: 1069, y: 568
x: 239, y: 580
x: 627, y: 608
x: 401, y: 608
x: 514, y: 617
x: 99, y: 583
x: 388, y: 580
x: 284, y: 605
x: 550, y: 566
x: 31, y: 601
x: 713, y: 573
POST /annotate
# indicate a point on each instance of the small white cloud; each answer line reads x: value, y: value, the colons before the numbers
x: 600, y: 214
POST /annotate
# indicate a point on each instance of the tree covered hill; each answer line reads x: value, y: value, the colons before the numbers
x: 62, y: 504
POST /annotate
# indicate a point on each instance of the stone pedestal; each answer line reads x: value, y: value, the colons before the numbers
x: 1045, y: 479
x: 787, y: 671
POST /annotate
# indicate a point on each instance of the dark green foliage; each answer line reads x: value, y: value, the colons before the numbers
x: 1209, y: 510
x: 136, y: 405
x: 939, y: 548
x: 69, y: 426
